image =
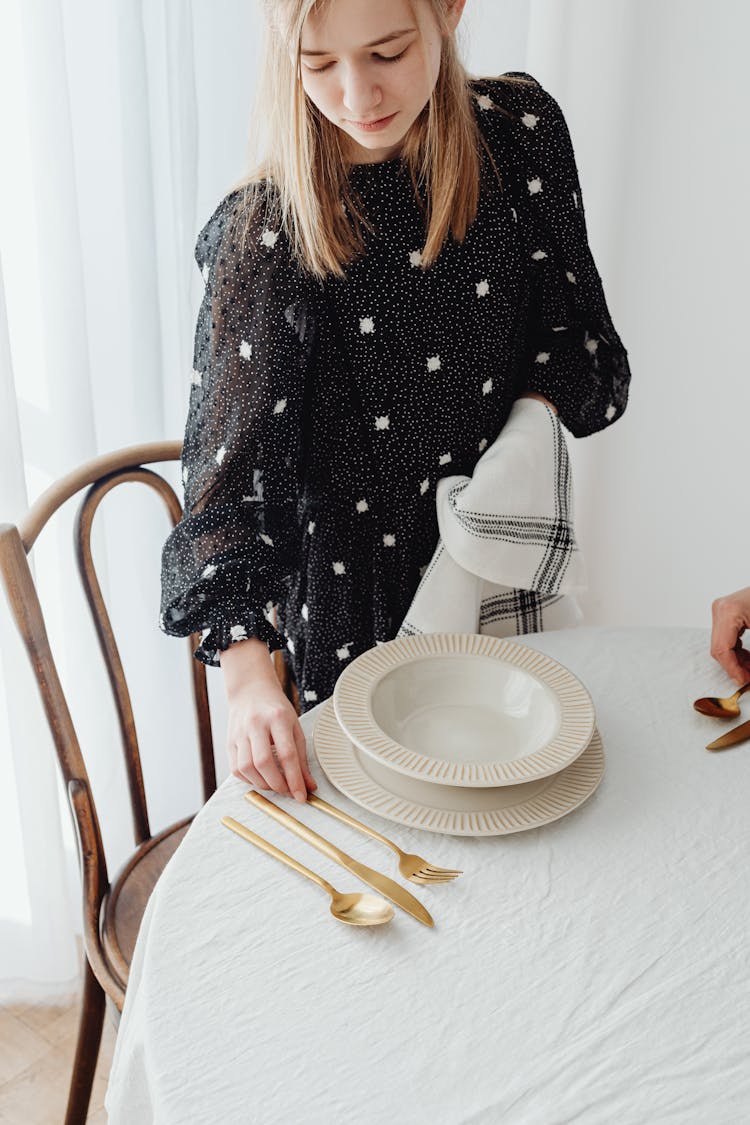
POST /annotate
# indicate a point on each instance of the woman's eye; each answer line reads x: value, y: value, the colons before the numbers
x: 380, y: 58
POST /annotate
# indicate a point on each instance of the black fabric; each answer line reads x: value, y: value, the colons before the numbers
x: 322, y: 415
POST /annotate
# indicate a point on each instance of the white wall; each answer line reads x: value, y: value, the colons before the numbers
x: 657, y: 96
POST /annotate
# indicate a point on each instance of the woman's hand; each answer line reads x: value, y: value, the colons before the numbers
x: 265, y: 742
x: 731, y: 616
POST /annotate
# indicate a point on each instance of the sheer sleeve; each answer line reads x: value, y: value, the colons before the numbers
x: 230, y: 559
x: 574, y: 356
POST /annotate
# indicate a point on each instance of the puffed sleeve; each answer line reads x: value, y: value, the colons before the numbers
x: 574, y: 356
x: 230, y: 559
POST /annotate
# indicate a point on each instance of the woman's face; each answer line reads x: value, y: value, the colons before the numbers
x: 370, y: 68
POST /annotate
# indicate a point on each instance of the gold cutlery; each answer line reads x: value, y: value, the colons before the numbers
x: 411, y: 866
x: 354, y: 909
x: 739, y: 734
x: 719, y: 708
x: 381, y: 883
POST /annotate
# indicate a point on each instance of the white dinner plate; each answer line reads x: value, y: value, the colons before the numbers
x: 452, y: 809
x: 464, y: 709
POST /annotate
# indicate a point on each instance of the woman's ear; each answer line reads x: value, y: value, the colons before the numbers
x: 454, y: 13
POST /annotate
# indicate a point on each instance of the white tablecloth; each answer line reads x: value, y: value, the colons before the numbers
x: 591, y: 971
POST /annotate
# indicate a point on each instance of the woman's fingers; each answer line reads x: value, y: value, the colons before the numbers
x: 264, y: 761
x: 243, y: 767
x: 299, y: 738
x: 286, y: 750
x: 271, y: 753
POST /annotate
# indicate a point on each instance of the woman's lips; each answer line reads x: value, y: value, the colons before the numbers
x: 373, y: 126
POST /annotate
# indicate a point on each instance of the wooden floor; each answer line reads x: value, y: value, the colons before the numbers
x: 37, y: 1045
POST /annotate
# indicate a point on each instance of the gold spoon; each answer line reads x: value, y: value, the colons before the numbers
x: 719, y: 708
x: 354, y: 909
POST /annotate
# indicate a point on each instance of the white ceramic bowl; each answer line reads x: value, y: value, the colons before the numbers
x: 453, y: 810
x: 464, y: 709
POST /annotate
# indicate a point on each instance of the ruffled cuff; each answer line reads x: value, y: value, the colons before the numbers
x: 224, y: 606
x: 224, y: 631
x: 586, y: 378
x: 221, y: 628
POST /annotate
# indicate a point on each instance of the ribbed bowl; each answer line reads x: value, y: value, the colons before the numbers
x: 464, y: 709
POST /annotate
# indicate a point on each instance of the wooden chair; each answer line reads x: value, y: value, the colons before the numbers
x: 112, y: 909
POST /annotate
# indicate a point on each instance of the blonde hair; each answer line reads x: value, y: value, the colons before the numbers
x: 305, y: 160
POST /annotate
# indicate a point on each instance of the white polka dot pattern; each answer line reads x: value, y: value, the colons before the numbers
x: 322, y: 417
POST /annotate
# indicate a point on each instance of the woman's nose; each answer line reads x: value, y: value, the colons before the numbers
x: 359, y: 94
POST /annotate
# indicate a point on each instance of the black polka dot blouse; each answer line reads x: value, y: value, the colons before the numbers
x: 323, y: 415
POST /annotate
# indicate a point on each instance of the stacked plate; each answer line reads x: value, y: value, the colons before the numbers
x: 461, y: 733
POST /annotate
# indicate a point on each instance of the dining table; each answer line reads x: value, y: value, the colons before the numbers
x: 592, y: 970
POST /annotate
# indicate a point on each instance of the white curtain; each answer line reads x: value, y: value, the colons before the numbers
x: 103, y: 189
x: 123, y: 123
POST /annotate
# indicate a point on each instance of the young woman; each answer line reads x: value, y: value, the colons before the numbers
x: 411, y: 259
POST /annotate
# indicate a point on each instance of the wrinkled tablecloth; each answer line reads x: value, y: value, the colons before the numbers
x: 594, y: 970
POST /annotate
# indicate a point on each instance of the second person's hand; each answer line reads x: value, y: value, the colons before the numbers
x: 730, y: 618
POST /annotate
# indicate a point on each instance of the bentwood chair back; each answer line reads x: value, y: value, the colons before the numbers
x: 113, y: 908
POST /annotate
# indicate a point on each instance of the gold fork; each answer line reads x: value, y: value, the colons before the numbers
x: 412, y: 867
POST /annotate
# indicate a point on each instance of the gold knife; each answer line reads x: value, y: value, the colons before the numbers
x: 739, y: 734
x: 388, y: 887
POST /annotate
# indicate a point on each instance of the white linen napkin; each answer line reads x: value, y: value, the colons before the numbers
x: 507, y: 561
